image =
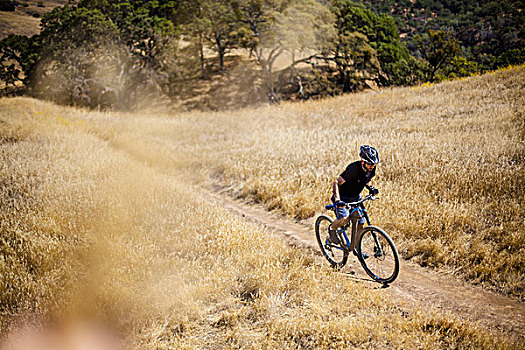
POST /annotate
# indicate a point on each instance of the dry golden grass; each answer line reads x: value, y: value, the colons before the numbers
x: 23, y: 20
x: 18, y: 23
x: 99, y: 214
x: 451, y: 177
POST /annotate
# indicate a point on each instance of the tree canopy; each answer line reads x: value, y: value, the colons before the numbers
x: 490, y: 33
x: 96, y: 50
x: 110, y: 53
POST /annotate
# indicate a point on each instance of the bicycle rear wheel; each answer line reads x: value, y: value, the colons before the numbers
x: 336, y: 254
x: 378, y: 254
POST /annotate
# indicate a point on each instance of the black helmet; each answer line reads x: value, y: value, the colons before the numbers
x: 369, y: 154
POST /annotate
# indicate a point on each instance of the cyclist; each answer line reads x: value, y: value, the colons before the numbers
x: 348, y: 186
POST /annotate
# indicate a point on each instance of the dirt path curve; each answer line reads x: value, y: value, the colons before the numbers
x: 415, y: 285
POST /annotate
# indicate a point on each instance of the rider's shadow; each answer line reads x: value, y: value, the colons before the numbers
x: 355, y: 277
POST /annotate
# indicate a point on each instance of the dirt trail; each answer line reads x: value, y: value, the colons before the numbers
x: 415, y: 286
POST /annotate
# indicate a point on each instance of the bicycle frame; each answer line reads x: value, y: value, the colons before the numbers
x: 371, y: 245
x: 360, y: 210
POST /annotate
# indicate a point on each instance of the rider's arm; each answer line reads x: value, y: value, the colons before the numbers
x: 369, y: 184
x: 336, y: 185
x: 371, y: 188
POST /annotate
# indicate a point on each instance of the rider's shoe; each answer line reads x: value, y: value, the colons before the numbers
x: 333, y: 238
x: 365, y: 255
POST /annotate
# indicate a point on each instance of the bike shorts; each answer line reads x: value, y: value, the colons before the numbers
x: 343, y: 212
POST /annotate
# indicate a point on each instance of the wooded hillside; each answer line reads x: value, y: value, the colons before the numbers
x: 118, y: 54
x: 491, y: 33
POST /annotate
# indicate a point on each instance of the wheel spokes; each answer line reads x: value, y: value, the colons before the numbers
x: 382, y: 261
x: 333, y: 252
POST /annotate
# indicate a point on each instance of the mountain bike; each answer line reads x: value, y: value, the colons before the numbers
x: 375, y: 249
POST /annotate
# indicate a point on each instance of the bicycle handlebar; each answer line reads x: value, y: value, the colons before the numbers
x: 370, y: 197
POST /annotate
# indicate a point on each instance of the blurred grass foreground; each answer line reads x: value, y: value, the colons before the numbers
x: 103, y: 217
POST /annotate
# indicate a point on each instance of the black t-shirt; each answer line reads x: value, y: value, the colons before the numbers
x: 355, y: 180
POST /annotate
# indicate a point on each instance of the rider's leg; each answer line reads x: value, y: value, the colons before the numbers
x: 332, y: 229
x: 340, y: 222
x: 342, y: 217
x: 360, y: 226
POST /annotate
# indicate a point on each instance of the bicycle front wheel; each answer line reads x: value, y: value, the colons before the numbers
x: 378, y: 254
x: 336, y: 254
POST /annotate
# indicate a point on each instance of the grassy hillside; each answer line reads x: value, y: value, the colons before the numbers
x: 25, y: 19
x: 101, y: 216
x: 90, y: 231
x: 451, y: 179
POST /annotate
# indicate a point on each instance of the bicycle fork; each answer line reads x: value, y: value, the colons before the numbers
x: 356, y: 214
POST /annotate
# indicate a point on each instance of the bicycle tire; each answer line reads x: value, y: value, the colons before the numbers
x: 337, y: 255
x: 382, y: 262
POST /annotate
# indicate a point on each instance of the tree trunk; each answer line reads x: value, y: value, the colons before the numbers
x: 202, y: 59
x: 221, y: 59
x: 221, y: 50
